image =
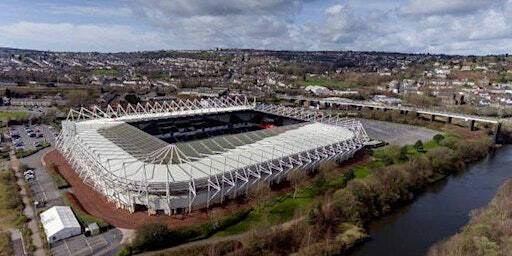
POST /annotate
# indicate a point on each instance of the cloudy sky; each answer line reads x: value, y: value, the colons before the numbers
x: 435, y: 26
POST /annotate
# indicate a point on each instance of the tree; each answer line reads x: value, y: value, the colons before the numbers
x: 438, y: 138
x: 132, y: 99
x: 419, y: 146
x: 295, y: 177
x: 403, y: 154
x: 260, y: 192
x: 153, y: 235
x: 78, y: 97
x: 349, y: 175
x: 387, y: 160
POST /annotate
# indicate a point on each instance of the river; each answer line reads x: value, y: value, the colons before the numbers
x: 440, y: 211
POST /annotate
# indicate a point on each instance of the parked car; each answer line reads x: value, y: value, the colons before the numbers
x: 39, y: 204
x: 29, y: 177
x: 29, y: 172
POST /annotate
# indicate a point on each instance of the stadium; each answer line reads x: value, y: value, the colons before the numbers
x: 175, y: 157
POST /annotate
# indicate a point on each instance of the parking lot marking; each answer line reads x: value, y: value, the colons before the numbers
x: 66, y: 243
x: 42, y: 190
x: 88, y: 245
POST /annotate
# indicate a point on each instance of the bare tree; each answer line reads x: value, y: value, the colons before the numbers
x: 296, y: 177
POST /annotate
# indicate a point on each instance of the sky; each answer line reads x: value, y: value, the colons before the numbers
x: 477, y: 27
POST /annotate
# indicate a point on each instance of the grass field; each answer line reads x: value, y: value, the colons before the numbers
x: 284, y: 208
x: 5, y: 244
x: 4, y: 116
x: 11, y: 207
x: 10, y: 202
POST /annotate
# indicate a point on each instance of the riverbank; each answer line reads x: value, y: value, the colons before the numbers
x: 487, y: 233
x: 343, y: 203
x: 336, y: 224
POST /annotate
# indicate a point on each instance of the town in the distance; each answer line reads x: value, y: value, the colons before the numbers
x: 254, y: 152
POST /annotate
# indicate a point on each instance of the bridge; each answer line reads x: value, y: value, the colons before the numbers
x: 359, y: 105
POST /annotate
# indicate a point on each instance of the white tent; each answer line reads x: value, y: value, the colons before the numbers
x: 59, y: 223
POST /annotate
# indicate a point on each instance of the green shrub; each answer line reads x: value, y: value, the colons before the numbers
x: 419, y: 146
x: 84, y: 218
x: 5, y: 244
x: 157, y: 236
x: 151, y: 236
x: 438, y: 138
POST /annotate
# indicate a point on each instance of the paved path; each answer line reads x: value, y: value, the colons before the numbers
x: 17, y: 242
x: 43, y: 188
x: 28, y: 210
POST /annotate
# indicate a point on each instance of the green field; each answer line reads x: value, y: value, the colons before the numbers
x: 284, y: 208
x: 4, y: 115
x: 10, y: 202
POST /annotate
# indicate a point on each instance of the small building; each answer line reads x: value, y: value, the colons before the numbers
x: 59, y: 222
x: 317, y: 90
x: 92, y: 229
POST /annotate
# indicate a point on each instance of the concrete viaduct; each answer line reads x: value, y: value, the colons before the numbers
x: 433, y: 114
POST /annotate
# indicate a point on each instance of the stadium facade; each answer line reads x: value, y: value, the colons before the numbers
x: 183, y: 155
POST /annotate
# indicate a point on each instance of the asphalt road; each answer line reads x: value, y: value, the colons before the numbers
x: 397, y: 134
x: 43, y: 189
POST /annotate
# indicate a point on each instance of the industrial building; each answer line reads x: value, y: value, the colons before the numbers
x: 174, y: 157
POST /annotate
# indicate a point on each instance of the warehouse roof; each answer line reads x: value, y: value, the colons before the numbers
x: 58, y: 218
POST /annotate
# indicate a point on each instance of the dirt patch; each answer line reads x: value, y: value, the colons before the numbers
x: 74, y: 202
x: 464, y: 132
x: 96, y: 204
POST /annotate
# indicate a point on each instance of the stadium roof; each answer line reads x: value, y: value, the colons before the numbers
x: 133, y: 155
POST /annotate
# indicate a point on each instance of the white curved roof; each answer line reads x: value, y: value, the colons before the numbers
x: 138, y: 156
x: 58, y: 218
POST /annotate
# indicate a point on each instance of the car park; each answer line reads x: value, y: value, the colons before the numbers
x: 31, y: 136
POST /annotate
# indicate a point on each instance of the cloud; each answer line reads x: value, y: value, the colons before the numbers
x: 191, y: 8
x: 455, y: 27
x: 443, y: 7
x: 223, y: 23
x: 100, y: 11
x: 70, y: 37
